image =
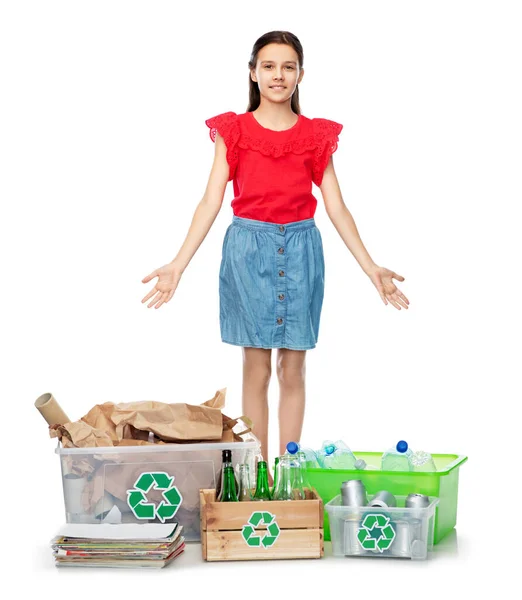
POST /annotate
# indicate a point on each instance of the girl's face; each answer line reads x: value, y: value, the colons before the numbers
x: 277, y: 72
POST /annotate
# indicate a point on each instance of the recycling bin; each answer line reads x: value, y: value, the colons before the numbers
x: 396, y: 532
x: 442, y: 484
x: 145, y: 484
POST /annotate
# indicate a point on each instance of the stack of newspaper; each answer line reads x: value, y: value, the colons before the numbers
x: 151, y: 545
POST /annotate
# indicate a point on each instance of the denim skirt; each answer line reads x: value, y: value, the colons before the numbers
x: 271, y: 284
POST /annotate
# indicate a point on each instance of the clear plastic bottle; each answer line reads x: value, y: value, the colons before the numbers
x: 397, y: 459
x: 310, y: 455
x: 336, y: 455
x: 362, y: 465
x: 422, y: 461
x: 327, y: 449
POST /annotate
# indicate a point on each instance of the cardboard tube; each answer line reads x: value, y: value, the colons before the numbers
x: 50, y: 410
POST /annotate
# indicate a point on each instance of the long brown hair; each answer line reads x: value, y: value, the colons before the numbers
x: 273, y: 37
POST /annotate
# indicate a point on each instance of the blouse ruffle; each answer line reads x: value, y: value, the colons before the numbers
x: 227, y: 126
x: 323, y: 139
x: 326, y: 134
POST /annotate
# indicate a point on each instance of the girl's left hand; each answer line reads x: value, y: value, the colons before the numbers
x: 381, y: 278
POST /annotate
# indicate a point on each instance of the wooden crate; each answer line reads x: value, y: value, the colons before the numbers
x: 225, y: 532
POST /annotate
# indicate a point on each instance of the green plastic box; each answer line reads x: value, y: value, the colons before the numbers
x: 443, y: 484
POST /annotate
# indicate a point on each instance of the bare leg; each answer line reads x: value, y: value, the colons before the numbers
x: 291, y: 372
x: 257, y: 370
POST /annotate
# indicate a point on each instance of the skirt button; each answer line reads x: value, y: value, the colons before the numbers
x: 281, y: 273
x: 281, y: 250
x: 281, y: 296
x: 279, y: 321
x: 281, y: 228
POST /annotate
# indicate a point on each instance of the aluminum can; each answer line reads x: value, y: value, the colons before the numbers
x: 353, y: 493
x: 401, y: 545
x: 417, y: 501
x: 383, y: 499
x: 352, y: 547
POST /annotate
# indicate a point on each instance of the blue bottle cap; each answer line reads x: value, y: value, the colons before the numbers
x: 292, y: 448
x: 329, y: 449
x: 402, y: 446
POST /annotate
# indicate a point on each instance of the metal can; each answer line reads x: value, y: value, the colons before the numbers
x: 383, y: 499
x: 417, y: 501
x: 401, y: 546
x: 352, y: 546
x: 353, y: 493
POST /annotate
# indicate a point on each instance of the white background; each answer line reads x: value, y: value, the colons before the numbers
x: 104, y: 157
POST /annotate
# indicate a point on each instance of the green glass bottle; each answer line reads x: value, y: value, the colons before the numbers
x: 227, y: 462
x: 275, y: 474
x: 262, y: 488
x: 229, y: 492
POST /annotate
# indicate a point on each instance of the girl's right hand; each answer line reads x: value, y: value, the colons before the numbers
x: 168, y: 279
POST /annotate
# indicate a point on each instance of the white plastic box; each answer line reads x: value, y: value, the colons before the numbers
x: 146, y: 484
x: 382, y: 532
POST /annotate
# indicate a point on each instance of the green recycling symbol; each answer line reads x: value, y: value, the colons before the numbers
x: 376, y: 533
x: 271, y: 533
x: 137, y: 499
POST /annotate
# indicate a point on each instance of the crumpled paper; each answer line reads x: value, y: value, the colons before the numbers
x: 129, y: 424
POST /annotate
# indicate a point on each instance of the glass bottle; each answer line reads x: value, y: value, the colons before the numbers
x: 305, y: 482
x: 289, y: 479
x: 245, y: 491
x: 262, y: 489
x: 300, y: 475
x: 227, y: 462
x: 276, y: 470
x: 228, y: 491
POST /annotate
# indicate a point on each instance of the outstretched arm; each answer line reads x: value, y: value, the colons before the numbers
x: 343, y: 221
x: 205, y: 214
x: 207, y: 209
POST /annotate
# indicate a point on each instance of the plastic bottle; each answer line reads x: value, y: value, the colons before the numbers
x: 310, y: 455
x: 422, y: 461
x: 327, y: 449
x: 397, y: 459
x: 361, y: 465
x: 336, y: 456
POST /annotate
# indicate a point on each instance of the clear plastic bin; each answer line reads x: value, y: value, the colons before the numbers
x: 397, y: 532
x: 442, y: 483
x: 146, y: 484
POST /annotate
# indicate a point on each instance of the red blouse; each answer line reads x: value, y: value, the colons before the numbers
x: 273, y: 171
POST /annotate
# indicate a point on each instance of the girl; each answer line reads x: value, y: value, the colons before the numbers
x: 271, y: 279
